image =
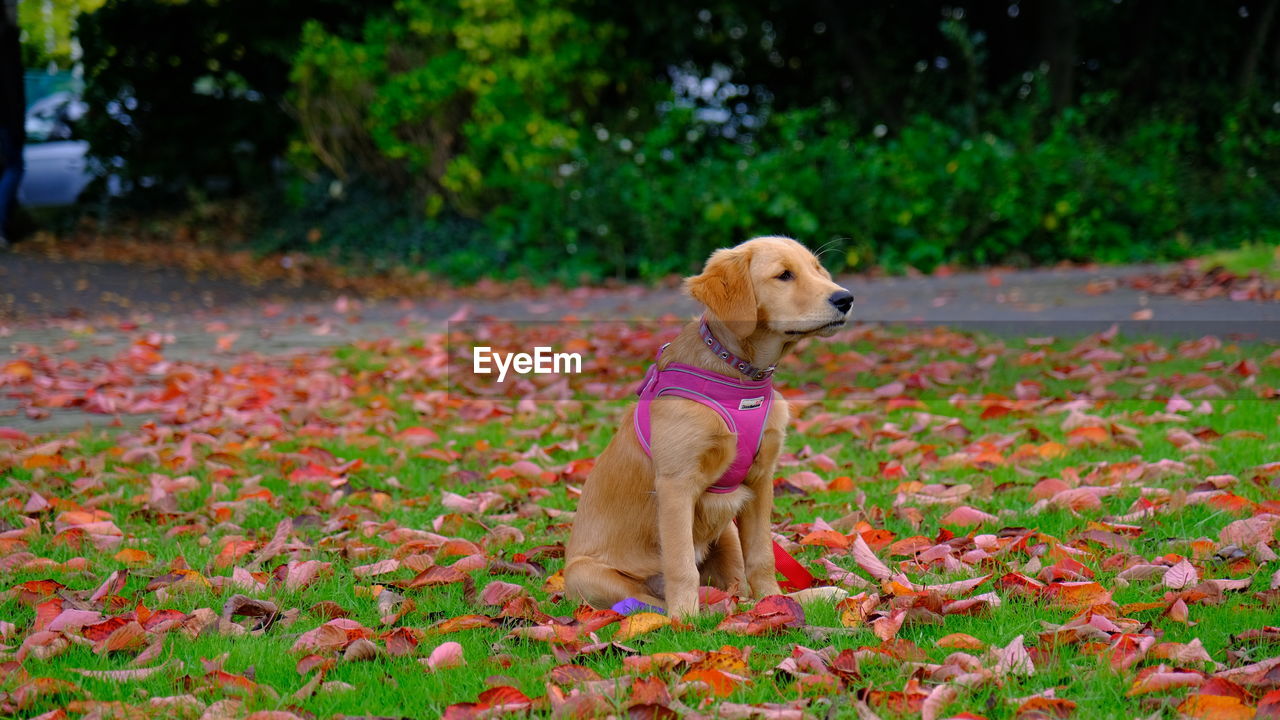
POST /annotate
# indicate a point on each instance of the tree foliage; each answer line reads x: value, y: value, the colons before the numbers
x: 566, y: 136
x: 188, y: 94
x: 48, y: 30
x: 465, y: 99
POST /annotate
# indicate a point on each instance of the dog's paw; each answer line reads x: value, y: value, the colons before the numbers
x: 682, y: 607
x: 765, y: 588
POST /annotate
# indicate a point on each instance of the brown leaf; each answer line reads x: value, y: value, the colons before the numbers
x: 649, y: 691
x: 572, y: 675
x: 1250, y: 531
x: 1182, y: 653
x: 382, y: 567
x: 238, y: 605
x: 1045, y: 707
x: 360, y: 649
x: 331, y: 636
x: 111, y: 586
x: 1162, y: 681
x: 297, y: 575
x: 1184, y: 574
x: 867, y: 560
x: 1013, y: 659
x: 42, y: 645
x: 312, y: 662
x: 960, y: 641
x: 498, y: 592
x: 463, y: 622
x: 275, y: 546
x: 966, y: 516
x: 939, y: 698
x: 123, y: 675
x: 402, y: 641
x: 770, y: 614
x: 130, y: 636
x: 437, y: 575
x: 886, y: 626
x: 1178, y: 612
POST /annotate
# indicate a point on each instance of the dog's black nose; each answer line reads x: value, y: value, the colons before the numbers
x: 843, y: 300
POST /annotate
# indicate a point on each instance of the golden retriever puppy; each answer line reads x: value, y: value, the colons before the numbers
x: 683, y: 494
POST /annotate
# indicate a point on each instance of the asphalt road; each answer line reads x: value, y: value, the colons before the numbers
x: 79, y: 311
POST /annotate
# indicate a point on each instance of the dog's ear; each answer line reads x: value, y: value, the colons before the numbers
x: 725, y: 287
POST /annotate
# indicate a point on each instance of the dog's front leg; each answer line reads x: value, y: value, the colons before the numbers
x: 756, y: 520
x: 675, y: 534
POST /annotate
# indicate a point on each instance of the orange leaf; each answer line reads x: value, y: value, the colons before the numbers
x: 133, y: 556
x: 961, y: 641
x: 1043, y: 707
x: 98, y: 632
x: 1051, y: 450
x: 721, y: 683
x: 1078, y: 594
x: 1215, y: 707
x: 826, y: 538
x: 1089, y: 435
x: 233, y: 551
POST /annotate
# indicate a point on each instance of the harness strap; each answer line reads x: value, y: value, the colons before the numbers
x: 796, y: 576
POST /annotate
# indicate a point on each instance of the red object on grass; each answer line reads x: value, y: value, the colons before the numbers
x: 797, y: 576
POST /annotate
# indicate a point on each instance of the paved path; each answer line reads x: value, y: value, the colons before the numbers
x: 79, y: 311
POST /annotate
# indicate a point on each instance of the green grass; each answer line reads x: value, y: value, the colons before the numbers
x: 1260, y: 257
x: 351, y: 522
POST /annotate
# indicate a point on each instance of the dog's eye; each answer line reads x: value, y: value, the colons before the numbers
x: 785, y: 276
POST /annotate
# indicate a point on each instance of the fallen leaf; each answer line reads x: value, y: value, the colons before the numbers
x: 639, y: 624
x: 1181, y: 575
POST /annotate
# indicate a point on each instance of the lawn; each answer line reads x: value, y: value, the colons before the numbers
x: 1261, y: 258
x: 1020, y: 527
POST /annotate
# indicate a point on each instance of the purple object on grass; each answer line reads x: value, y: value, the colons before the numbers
x: 631, y: 606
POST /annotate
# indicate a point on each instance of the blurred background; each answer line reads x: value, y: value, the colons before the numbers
x: 583, y: 140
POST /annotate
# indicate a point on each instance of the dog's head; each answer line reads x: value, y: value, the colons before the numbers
x: 771, y: 284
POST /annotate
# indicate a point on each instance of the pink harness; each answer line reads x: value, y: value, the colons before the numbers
x: 742, y: 404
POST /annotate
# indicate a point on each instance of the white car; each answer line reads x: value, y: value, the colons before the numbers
x: 57, y: 168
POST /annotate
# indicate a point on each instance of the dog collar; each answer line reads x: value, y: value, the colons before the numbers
x: 735, y: 362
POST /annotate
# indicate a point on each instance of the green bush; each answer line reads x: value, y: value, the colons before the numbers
x: 459, y: 102
x: 929, y: 194
x: 465, y: 138
x: 926, y: 195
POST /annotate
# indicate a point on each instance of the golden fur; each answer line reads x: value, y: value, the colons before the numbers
x: 646, y: 527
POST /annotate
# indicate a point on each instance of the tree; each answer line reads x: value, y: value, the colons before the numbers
x: 48, y: 27
x: 190, y: 94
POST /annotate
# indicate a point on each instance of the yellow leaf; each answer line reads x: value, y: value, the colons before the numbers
x: 133, y: 556
x: 722, y: 661
x: 639, y: 624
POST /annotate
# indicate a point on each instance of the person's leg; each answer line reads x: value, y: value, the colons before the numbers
x: 10, y: 176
